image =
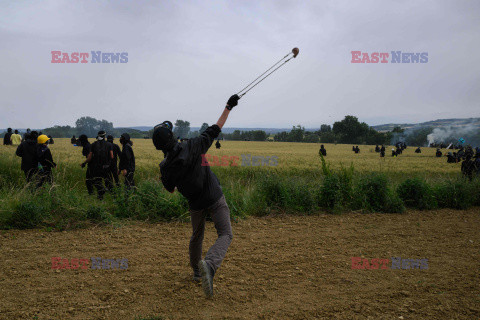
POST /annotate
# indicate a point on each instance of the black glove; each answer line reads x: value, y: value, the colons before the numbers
x: 232, y: 102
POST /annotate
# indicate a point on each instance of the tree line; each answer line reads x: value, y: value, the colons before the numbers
x: 348, y: 131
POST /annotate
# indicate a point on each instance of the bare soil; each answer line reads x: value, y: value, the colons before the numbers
x: 279, y: 267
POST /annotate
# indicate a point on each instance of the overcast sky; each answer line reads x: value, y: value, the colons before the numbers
x: 185, y: 58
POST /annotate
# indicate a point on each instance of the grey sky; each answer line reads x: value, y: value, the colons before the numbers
x: 187, y: 57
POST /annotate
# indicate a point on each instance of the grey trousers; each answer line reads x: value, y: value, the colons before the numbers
x: 221, y: 218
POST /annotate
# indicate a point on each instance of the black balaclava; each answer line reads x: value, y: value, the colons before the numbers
x: 125, y: 138
x: 163, y: 138
x: 83, y: 139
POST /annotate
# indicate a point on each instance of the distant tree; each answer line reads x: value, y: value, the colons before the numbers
x: 325, y: 128
x: 398, y: 129
x: 181, y: 129
x: 90, y: 126
x: 297, y: 133
x: 60, y: 131
x: 350, y: 130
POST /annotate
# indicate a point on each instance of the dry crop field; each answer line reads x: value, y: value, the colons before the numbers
x: 279, y: 266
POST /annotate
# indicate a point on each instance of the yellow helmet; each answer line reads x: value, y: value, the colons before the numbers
x: 42, y: 139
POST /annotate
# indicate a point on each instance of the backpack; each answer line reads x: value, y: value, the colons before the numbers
x: 101, y: 155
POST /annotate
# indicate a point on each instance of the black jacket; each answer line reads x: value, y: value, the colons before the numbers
x: 127, y: 158
x: 45, y: 157
x: 27, y: 150
x: 7, y: 139
x: 182, y: 168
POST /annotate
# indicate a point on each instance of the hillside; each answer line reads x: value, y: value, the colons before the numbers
x: 440, y: 123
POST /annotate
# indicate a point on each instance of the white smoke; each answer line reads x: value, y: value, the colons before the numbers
x: 452, y: 133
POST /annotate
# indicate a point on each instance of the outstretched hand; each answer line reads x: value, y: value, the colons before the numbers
x: 232, y: 102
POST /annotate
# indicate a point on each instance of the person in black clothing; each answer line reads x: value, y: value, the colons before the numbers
x: 438, y: 153
x: 182, y: 169
x: 357, y: 149
x: 27, y: 150
x: 394, y: 153
x: 7, y: 137
x: 377, y: 148
x: 322, y: 151
x: 382, y: 153
x: 100, y: 157
x: 113, y: 165
x: 73, y: 140
x: 451, y: 158
x: 217, y: 145
x: 382, y: 148
x: 468, y: 167
x: 353, y: 148
x: 127, y: 160
x: 50, y: 141
x: 26, y: 134
x: 83, y: 141
x: 45, y: 160
x: 418, y: 150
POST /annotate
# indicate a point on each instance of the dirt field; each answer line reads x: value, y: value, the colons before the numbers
x: 282, y: 267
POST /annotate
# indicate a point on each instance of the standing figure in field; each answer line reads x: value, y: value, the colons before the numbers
x: 382, y: 153
x: 452, y: 158
x: 394, y: 153
x: 83, y: 141
x: 7, y: 141
x: 127, y: 160
x: 16, y: 139
x: 418, y: 150
x: 468, y: 167
x: 27, y: 150
x: 73, y: 140
x: 113, y: 165
x: 45, y: 160
x: 357, y: 149
x: 377, y: 148
x: 438, y: 153
x: 100, y: 157
x: 182, y: 170
x: 322, y: 151
x: 218, y: 145
x: 382, y: 148
x: 398, y: 151
x: 26, y: 134
x: 353, y: 148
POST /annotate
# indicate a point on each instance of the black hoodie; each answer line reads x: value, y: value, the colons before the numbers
x: 27, y: 150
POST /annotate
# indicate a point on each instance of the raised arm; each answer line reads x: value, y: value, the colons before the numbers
x: 232, y: 102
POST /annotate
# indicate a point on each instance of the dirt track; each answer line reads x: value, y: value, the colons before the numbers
x: 283, y: 267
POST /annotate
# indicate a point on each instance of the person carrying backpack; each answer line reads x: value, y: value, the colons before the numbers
x: 27, y: 150
x: 45, y: 160
x: 182, y: 170
x: 7, y: 138
x: 100, y: 157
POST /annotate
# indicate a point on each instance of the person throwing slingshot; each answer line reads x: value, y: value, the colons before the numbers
x: 182, y: 170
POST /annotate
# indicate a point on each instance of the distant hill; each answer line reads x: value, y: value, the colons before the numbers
x: 434, y: 124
